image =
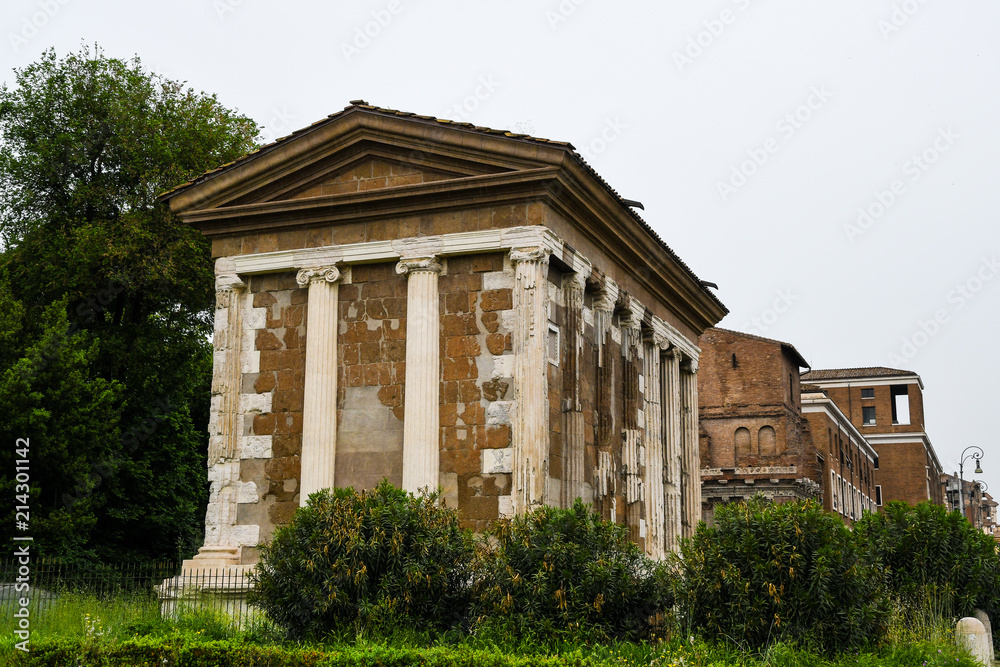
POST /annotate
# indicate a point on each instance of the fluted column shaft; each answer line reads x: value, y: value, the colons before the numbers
x: 223, y: 456
x: 421, y: 410
x: 671, y: 393
x: 655, y: 497
x: 691, y: 458
x: 319, y: 410
x: 530, y: 432
x: 573, y: 436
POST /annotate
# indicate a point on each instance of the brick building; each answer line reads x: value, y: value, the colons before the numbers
x: 764, y: 432
x: 754, y: 438
x: 443, y: 304
x: 847, y: 458
x: 979, y: 506
x: 886, y: 406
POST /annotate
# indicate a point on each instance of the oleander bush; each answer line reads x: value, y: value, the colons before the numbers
x: 937, y: 563
x: 553, y: 572
x: 365, y: 560
x: 769, y: 572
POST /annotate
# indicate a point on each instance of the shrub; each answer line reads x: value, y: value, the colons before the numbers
x: 555, y: 571
x: 935, y: 560
x: 770, y: 572
x: 365, y: 560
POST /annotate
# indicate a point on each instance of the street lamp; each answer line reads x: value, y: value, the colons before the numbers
x: 979, y: 471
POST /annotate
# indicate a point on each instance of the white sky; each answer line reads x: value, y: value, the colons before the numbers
x: 886, y: 80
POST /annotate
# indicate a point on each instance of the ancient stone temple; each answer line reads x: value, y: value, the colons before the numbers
x: 443, y: 305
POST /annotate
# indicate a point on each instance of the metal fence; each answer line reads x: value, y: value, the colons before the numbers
x: 43, y: 583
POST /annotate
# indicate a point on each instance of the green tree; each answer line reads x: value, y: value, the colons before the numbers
x: 86, y: 143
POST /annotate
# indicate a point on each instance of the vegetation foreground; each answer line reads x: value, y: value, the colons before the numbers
x: 384, y: 577
x: 82, y: 630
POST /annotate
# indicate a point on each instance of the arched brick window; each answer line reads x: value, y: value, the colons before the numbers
x: 768, y: 441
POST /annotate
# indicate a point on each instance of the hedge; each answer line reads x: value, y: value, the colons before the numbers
x: 167, y: 652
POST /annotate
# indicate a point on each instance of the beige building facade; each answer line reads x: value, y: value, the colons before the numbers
x: 447, y: 306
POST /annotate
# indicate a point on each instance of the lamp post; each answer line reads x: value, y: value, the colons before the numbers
x: 979, y: 471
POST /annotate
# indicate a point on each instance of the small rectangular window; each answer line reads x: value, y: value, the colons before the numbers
x: 868, y: 415
x: 878, y: 495
x: 876, y: 462
x: 867, y: 393
x: 553, y: 345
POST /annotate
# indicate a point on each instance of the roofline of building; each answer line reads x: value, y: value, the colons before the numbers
x: 785, y: 346
x: 868, y: 381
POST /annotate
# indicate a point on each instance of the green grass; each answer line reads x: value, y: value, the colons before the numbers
x: 129, y: 630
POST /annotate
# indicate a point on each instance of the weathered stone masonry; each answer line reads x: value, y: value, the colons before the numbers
x: 438, y: 335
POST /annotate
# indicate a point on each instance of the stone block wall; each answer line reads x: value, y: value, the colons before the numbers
x: 371, y: 348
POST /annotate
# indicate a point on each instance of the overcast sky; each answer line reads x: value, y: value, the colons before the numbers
x: 831, y: 165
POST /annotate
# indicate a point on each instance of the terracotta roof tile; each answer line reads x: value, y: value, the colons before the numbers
x: 847, y: 373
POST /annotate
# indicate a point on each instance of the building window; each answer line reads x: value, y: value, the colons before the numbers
x: 868, y: 415
x: 736, y: 364
x: 867, y: 393
x: 767, y: 440
x: 553, y: 344
x: 876, y: 462
x: 742, y: 443
x: 900, y: 404
x: 878, y: 495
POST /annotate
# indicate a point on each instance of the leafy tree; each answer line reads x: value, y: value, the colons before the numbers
x: 768, y: 572
x: 86, y: 143
x: 366, y: 561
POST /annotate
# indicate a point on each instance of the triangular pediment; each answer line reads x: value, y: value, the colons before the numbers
x: 369, y: 172
x: 363, y: 149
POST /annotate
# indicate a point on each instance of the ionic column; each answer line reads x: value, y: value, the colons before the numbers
x: 633, y: 455
x: 224, y: 426
x: 573, y: 437
x: 655, y: 496
x: 691, y: 487
x: 319, y: 410
x: 605, y: 481
x: 671, y: 398
x: 530, y: 432
x: 421, y: 409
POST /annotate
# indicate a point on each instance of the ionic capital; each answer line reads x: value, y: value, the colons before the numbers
x: 228, y: 282
x: 691, y: 366
x: 330, y: 274
x: 418, y: 265
x: 529, y: 254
